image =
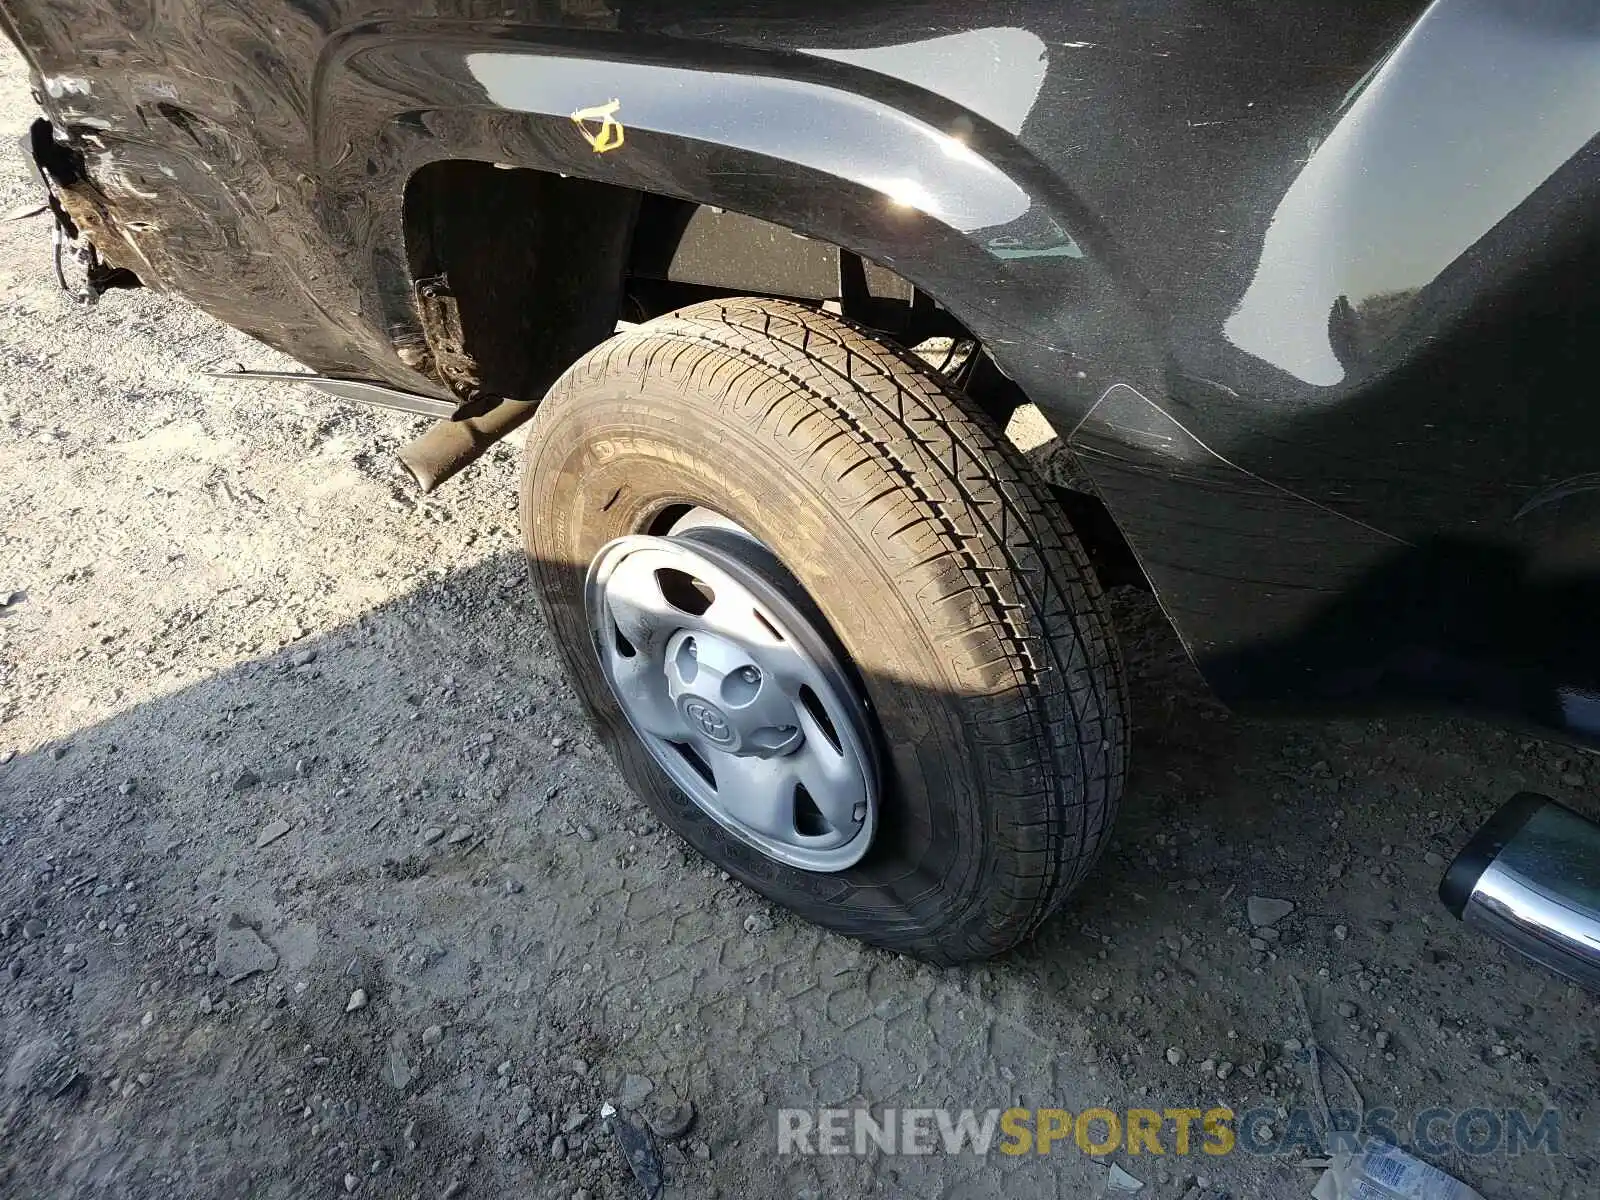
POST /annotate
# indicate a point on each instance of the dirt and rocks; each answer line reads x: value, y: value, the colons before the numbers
x: 313, y: 881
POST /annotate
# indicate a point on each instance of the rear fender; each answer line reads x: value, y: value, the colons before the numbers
x: 900, y: 176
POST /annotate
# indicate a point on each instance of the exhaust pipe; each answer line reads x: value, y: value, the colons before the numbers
x: 1530, y: 878
x: 451, y: 445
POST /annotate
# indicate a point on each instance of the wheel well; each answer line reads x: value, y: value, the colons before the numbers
x: 517, y: 273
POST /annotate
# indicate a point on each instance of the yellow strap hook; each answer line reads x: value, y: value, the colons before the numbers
x: 610, y: 135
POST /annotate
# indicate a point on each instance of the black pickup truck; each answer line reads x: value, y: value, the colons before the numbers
x: 1306, y: 291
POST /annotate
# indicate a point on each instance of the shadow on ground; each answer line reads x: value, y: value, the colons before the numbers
x: 530, y: 941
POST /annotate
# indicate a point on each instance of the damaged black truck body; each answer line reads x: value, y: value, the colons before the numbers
x: 1306, y: 291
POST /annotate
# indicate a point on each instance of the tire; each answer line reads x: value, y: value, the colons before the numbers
x: 967, y: 609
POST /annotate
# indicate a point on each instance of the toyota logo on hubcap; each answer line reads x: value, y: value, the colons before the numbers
x: 708, y: 720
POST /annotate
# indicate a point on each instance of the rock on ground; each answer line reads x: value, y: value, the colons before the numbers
x: 240, y: 952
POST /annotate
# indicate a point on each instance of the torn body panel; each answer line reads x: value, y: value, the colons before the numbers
x: 84, y: 218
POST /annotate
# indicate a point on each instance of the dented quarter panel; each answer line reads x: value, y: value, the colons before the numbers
x: 1309, y: 288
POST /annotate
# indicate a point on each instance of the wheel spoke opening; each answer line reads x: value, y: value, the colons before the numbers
x: 766, y: 623
x: 833, y: 786
x: 819, y: 714
x: 684, y: 592
x: 808, y: 818
x: 619, y: 639
x: 696, y: 761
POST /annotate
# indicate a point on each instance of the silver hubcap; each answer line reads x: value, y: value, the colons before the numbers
x: 734, y: 693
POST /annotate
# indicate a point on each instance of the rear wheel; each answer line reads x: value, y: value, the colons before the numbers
x: 828, y: 624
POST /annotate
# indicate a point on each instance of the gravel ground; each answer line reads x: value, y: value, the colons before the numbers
x: 312, y: 880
